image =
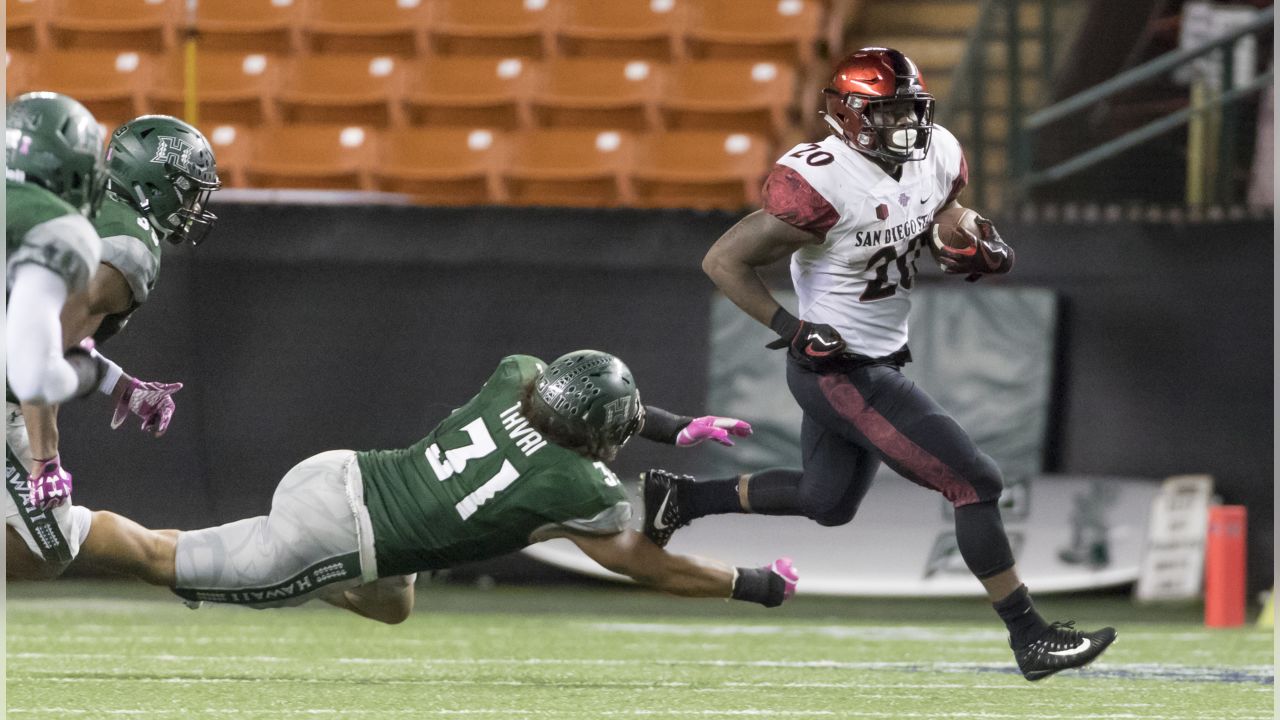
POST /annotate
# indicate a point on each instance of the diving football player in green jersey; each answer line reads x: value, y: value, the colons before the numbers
x: 159, y: 174
x: 521, y: 462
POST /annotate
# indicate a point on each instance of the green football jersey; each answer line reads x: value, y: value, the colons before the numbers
x: 484, y: 483
x: 130, y: 245
x: 44, y: 229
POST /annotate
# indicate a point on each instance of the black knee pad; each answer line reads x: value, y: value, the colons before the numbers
x: 984, y: 475
x: 827, y: 511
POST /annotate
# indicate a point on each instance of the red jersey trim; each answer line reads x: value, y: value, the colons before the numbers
x: 791, y: 199
x: 961, y: 180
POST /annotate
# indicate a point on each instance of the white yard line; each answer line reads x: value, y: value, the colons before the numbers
x: 1153, y: 671
x: 922, y: 633
x: 672, y: 712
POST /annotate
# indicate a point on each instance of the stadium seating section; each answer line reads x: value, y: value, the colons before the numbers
x: 562, y: 102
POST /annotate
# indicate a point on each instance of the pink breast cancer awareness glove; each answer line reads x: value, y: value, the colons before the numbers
x: 711, y: 427
x: 49, y: 483
x: 783, y: 568
x: 151, y: 401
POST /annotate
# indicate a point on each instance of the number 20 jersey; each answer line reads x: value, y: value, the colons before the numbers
x: 484, y: 483
x: 873, y: 229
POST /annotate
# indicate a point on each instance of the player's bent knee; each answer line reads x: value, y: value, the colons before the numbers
x: 827, y: 513
x: 987, y: 481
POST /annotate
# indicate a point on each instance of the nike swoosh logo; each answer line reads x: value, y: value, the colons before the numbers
x: 657, y: 519
x: 818, y: 347
x: 925, y: 200
x: 1084, y: 645
x: 816, y: 339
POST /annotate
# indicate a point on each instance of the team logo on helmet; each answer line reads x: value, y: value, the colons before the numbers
x: 618, y: 412
x: 175, y: 151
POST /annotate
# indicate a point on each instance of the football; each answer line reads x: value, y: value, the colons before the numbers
x: 946, y: 224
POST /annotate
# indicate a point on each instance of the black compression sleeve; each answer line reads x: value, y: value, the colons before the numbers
x: 662, y: 426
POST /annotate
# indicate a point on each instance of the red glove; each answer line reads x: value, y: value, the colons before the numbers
x: 987, y: 254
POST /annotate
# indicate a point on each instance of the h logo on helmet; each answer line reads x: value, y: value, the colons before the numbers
x: 617, y: 411
x: 173, y: 150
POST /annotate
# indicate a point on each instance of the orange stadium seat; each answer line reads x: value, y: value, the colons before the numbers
x: 440, y: 166
x: 25, y: 25
x: 354, y: 89
x: 265, y: 26
x: 233, y: 87
x: 699, y: 169
x: 779, y: 30
x: 598, y: 92
x: 584, y: 168
x: 111, y: 84
x: 619, y: 28
x: 729, y: 95
x: 323, y: 157
x: 17, y: 67
x: 139, y: 25
x: 469, y: 92
x: 493, y: 27
x: 231, y: 145
x: 372, y: 26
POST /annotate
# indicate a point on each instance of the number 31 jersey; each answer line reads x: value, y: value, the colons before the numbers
x: 873, y: 229
x: 484, y: 483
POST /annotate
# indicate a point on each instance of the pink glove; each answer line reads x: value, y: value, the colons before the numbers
x: 784, y: 569
x: 711, y: 427
x: 150, y: 401
x: 49, y: 483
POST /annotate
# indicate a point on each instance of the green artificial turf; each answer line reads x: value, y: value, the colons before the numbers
x: 96, y: 649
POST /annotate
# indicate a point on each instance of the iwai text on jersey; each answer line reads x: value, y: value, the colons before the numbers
x: 527, y: 439
x: 905, y: 231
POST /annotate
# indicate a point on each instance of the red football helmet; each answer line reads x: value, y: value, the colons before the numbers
x: 877, y: 103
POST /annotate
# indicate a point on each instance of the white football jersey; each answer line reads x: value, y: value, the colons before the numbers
x: 859, y: 279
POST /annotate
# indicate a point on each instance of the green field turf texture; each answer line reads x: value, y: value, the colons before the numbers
x: 93, y: 649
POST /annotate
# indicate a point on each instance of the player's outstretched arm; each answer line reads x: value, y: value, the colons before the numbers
x: 682, y: 431
x: 632, y: 554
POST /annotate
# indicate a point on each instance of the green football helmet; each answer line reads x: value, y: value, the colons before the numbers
x: 590, y: 399
x: 165, y: 168
x: 54, y: 142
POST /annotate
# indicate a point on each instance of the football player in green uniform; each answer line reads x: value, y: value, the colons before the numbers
x: 521, y: 462
x: 53, y: 180
x: 159, y: 174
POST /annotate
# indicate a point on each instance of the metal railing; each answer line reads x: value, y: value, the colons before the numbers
x: 969, y: 90
x: 1025, y: 178
x: 968, y: 94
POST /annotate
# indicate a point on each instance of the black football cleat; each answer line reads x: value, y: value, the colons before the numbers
x: 662, y: 513
x: 1061, y: 647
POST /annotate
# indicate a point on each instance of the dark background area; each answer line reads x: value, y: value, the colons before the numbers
x: 299, y: 329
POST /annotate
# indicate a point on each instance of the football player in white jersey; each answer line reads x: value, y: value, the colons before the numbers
x: 853, y: 212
